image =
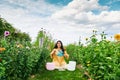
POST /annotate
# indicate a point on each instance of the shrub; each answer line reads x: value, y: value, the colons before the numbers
x: 20, y: 61
x: 99, y: 58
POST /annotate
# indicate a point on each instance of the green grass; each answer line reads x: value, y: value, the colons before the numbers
x: 59, y: 75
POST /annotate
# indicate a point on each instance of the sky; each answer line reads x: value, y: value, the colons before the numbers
x: 65, y: 20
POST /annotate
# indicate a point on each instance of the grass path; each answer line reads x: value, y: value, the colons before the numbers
x: 59, y: 75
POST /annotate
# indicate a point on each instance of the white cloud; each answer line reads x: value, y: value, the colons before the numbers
x: 29, y: 19
x: 64, y: 23
x: 79, y: 12
x: 38, y: 6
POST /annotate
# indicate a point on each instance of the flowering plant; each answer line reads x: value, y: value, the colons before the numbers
x: 117, y: 37
x: 6, y: 33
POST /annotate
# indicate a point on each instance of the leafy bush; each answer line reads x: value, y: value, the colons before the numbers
x: 100, y: 59
x: 21, y: 58
x: 14, y: 33
x: 20, y: 61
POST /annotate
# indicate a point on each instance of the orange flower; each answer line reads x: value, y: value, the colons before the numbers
x: 2, y: 49
x: 117, y: 37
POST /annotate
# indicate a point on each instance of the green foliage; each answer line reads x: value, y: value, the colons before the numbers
x: 5, y: 26
x: 40, y: 35
x: 18, y: 36
x: 44, y: 40
x: 21, y: 58
x: 21, y: 61
x: 100, y: 59
x: 73, y: 51
x: 15, y: 34
x: 2, y: 68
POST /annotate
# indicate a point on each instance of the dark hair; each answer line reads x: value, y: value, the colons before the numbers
x: 61, y: 45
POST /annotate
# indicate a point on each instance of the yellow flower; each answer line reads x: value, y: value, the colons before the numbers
x: 88, y: 64
x: 20, y: 46
x: 108, y: 41
x: 2, y: 49
x: 117, y: 37
x: 86, y: 39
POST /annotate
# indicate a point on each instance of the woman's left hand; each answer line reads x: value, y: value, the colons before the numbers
x: 66, y: 56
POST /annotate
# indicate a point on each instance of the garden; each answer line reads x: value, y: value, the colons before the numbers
x: 22, y: 60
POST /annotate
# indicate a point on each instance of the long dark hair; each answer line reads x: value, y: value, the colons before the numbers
x: 55, y: 47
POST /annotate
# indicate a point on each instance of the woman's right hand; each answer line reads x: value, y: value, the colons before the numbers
x: 52, y: 53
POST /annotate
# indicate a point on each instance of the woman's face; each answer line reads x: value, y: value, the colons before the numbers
x: 58, y: 44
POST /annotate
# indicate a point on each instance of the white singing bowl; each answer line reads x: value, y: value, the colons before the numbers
x: 50, y: 66
x: 71, y: 66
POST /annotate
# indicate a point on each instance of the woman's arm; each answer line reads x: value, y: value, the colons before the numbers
x: 51, y: 54
x: 66, y: 54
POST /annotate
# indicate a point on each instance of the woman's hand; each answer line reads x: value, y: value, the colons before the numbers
x: 66, y: 56
x: 51, y: 56
x: 52, y: 53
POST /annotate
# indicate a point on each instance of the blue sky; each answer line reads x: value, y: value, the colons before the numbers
x: 113, y: 4
x: 59, y: 2
x: 66, y: 20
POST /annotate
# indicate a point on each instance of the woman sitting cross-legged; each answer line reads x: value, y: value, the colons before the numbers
x: 58, y: 54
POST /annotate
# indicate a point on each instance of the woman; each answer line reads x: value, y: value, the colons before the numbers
x: 58, y: 55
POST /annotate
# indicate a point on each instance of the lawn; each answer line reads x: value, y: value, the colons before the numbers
x: 59, y: 75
